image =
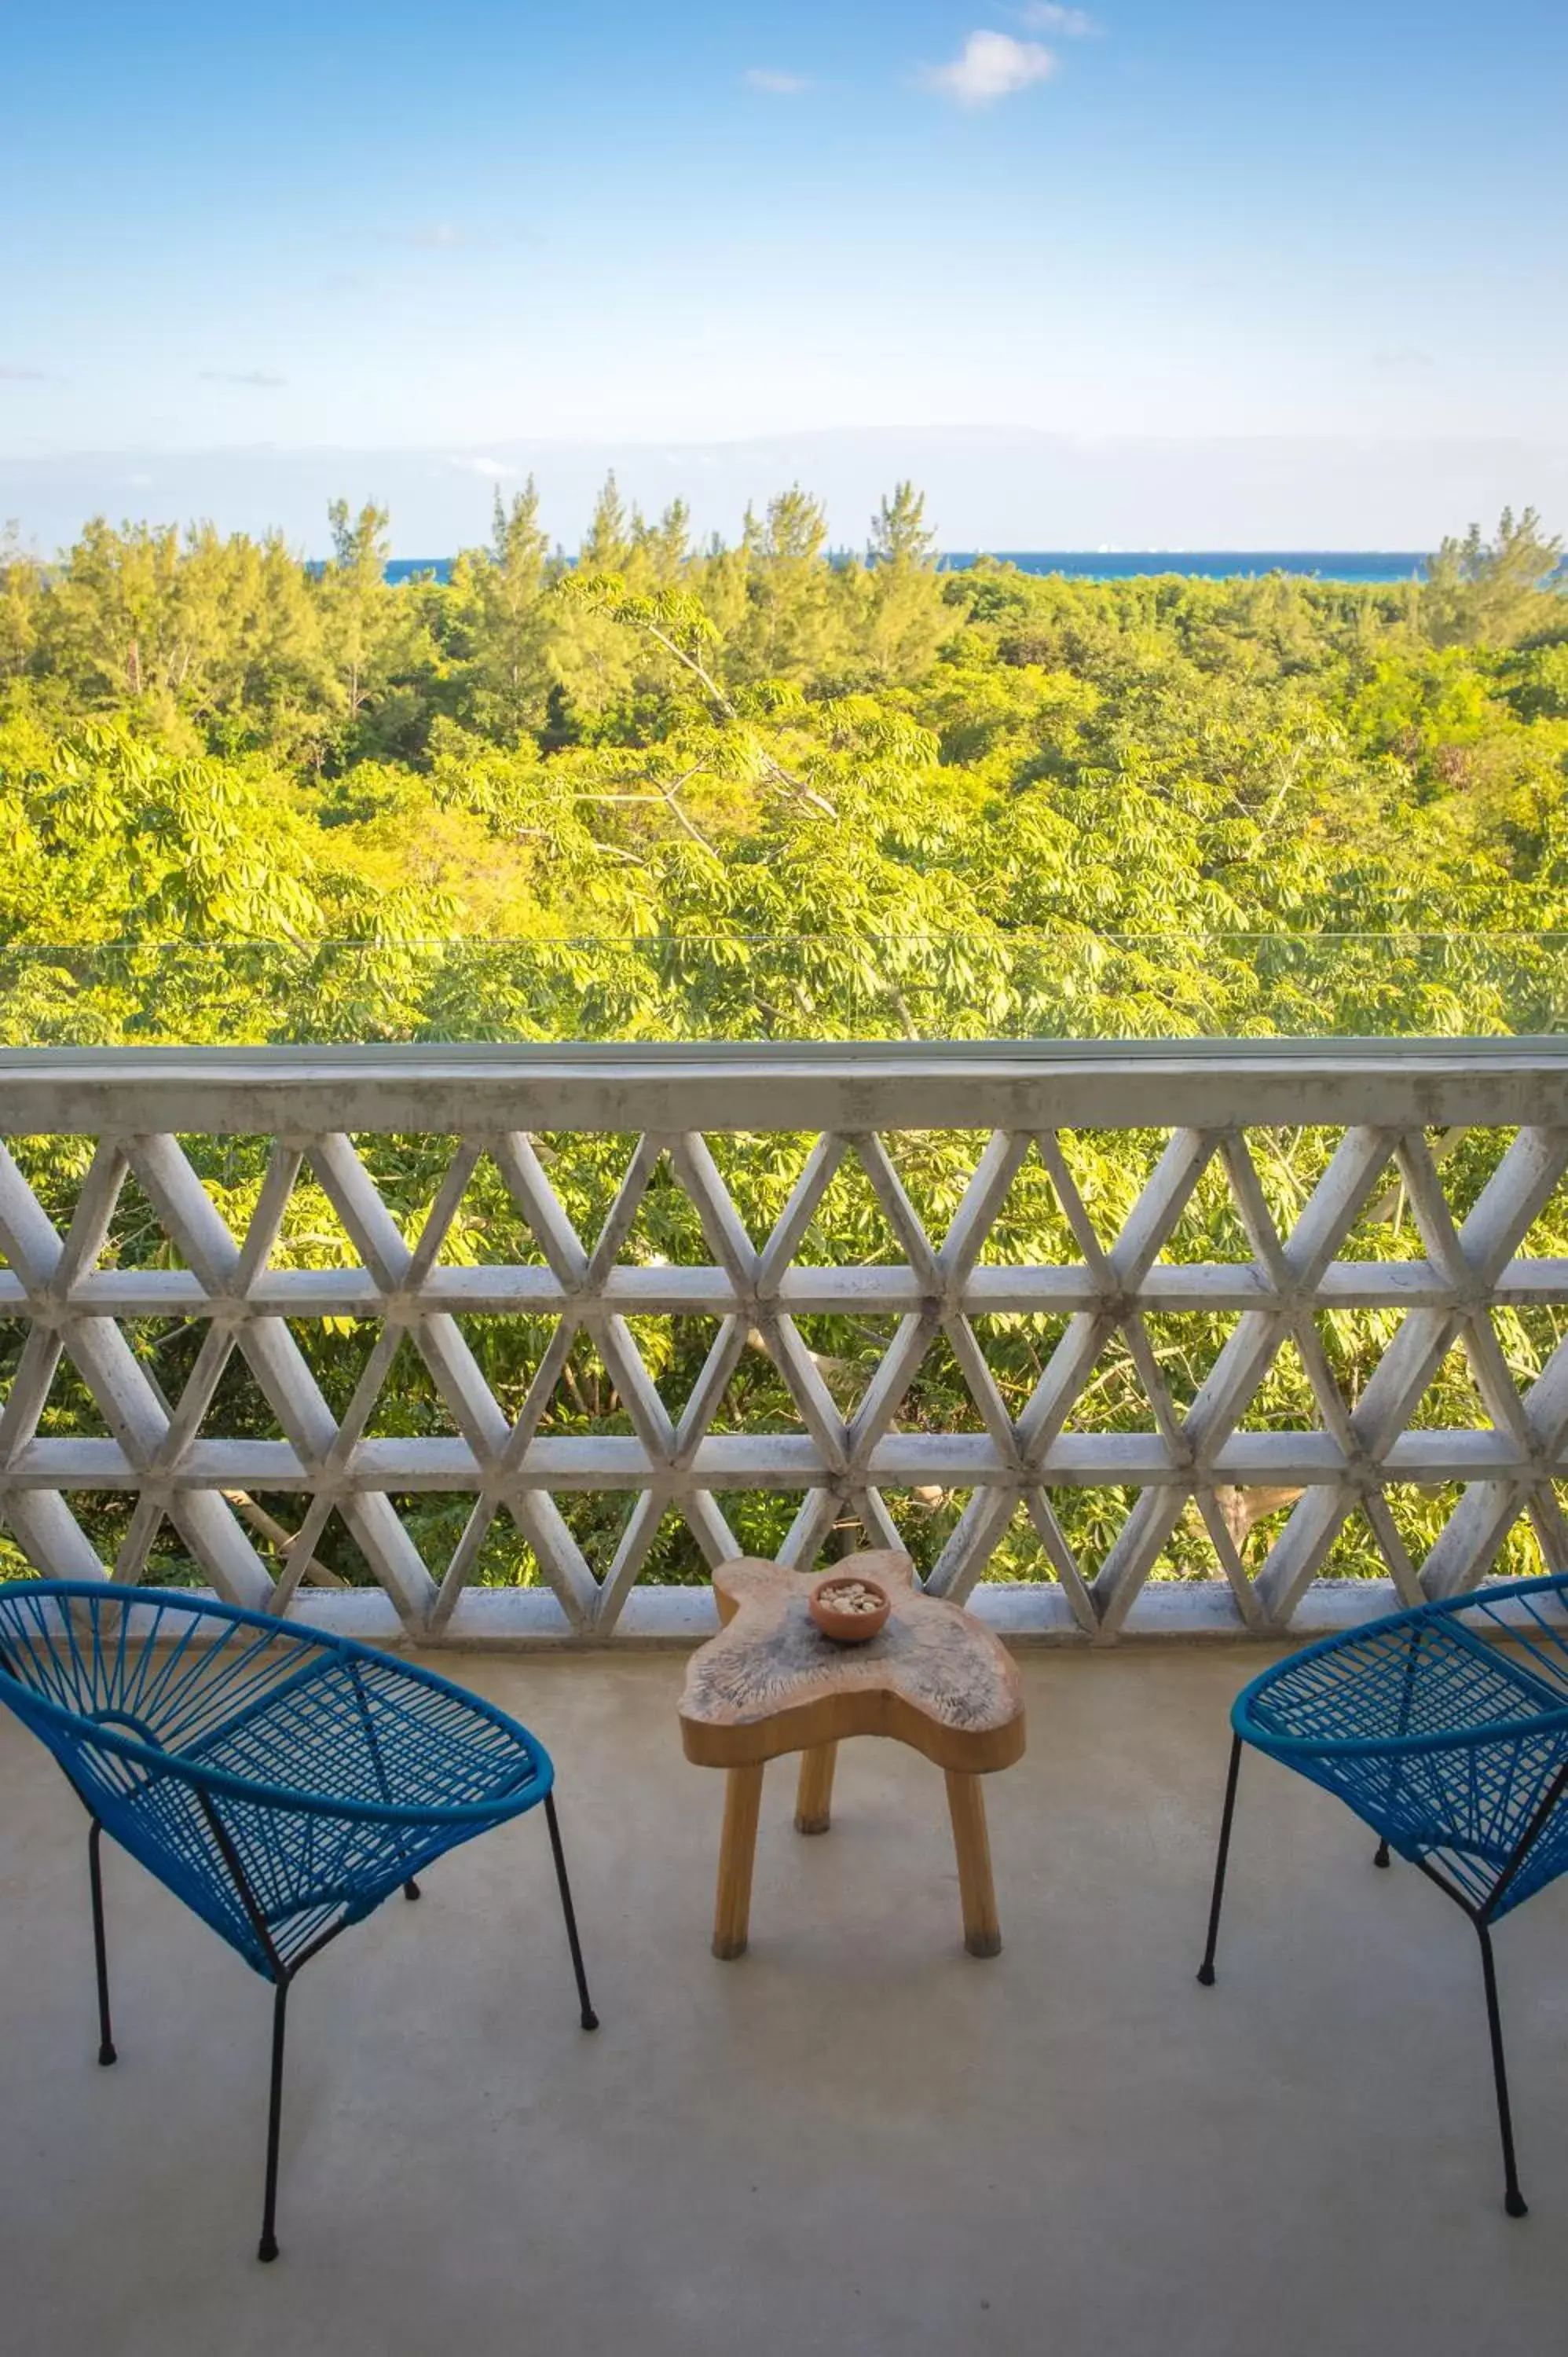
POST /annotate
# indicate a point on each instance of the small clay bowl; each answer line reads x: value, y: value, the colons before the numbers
x: 843, y: 1626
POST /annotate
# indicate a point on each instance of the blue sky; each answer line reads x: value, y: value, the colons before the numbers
x: 431, y: 226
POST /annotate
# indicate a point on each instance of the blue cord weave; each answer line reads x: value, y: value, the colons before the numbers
x: 1444, y: 1727
x: 334, y: 1772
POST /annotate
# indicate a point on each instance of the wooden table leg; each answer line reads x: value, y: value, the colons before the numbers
x: 737, y: 1847
x: 814, y: 1794
x: 966, y: 1804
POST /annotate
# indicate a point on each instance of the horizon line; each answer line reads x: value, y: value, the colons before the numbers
x: 453, y: 451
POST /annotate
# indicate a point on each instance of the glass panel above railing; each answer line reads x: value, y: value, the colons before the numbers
x: 1009, y: 983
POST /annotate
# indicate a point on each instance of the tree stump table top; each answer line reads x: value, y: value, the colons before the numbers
x: 770, y: 1683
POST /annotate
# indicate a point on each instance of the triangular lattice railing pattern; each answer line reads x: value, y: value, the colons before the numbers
x: 755, y: 1293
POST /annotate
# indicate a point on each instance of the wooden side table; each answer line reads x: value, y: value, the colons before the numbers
x: 770, y: 1684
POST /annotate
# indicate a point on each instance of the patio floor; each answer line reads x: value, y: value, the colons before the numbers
x: 857, y: 2138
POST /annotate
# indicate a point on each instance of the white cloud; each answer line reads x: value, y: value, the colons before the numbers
x: 1073, y: 23
x: 437, y: 234
x: 776, y: 81
x: 14, y: 372
x: 989, y: 66
x: 494, y: 470
x: 258, y: 379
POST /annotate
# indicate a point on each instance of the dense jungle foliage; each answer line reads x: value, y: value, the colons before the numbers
x: 749, y: 792
x: 746, y: 791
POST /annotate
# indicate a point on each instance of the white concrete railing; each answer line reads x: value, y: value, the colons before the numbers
x: 1382, y: 1095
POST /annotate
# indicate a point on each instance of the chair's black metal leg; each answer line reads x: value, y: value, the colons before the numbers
x: 590, y: 2018
x: 1382, y: 1857
x: 99, y: 1949
x: 1513, y: 2199
x: 411, y: 1889
x: 268, y: 2246
x: 1206, y: 1970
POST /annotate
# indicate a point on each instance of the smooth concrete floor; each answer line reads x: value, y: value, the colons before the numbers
x: 857, y: 2137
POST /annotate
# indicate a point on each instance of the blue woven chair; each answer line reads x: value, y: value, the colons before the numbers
x: 282, y: 1783
x: 1445, y: 1729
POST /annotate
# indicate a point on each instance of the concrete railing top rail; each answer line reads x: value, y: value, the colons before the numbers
x: 1380, y: 1098
x: 791, y: 1084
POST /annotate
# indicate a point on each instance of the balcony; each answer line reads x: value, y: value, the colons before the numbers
x: 232, y: 1276
x: 856, y: 2139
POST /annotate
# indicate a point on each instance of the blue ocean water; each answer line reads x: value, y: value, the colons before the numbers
x: 1355, y: 564
x: 1359, y: 564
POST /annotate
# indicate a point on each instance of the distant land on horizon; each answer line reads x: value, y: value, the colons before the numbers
x: 985, y: 487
